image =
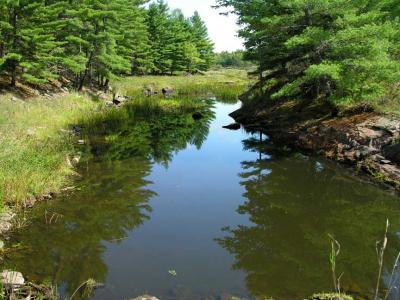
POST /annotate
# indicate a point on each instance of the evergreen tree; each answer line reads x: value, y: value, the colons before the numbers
x: 202, y: 42
x: 158, y: 26
x: 180, y: 49
x: 93, y: 41
x: 26, y: 47
x: 338, y: 49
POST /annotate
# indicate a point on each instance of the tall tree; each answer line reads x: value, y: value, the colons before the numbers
x: 158, y: 26
x: 202, y: 42
x: 26, y: 46
x: 337, y: 49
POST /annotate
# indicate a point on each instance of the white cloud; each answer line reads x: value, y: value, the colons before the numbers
x: 222, y: 29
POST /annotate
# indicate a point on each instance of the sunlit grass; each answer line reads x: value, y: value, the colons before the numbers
x: 34, y: 138
x: 34, y: 144
x: 223, y: 84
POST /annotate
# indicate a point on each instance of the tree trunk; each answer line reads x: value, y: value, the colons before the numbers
x: 106, y: 85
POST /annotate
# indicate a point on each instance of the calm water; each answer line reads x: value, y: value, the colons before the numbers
x: 229, y: 214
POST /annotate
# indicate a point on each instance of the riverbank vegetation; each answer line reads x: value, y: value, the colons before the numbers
x: 235, y: 59
x: 39, y: 137
x: 35, y: 143
x: 92, y: 42
x: 224, y: 84
x: 345, y: 52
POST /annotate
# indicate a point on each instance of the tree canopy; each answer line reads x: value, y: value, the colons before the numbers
x: 335, y: 49
x: 93, y: 41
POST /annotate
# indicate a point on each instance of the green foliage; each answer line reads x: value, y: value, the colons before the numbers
x: 177, y: 43
x: 34, y: 145
x: 225, y: 85
x: 345, y: 51
x: 94, y: 41
x: 234, y: 59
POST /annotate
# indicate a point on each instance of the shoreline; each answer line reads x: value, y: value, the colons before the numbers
x: 361, y: 138
x: 49, y: 138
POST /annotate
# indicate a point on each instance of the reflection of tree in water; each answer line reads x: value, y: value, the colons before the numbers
x: 65, y: 243
x: 294, y: 203
x: 156, y: 134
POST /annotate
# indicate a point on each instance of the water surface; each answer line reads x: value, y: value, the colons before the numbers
x: 230, y: 214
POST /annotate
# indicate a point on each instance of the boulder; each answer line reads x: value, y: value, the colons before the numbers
x: 168, y: 92
x: 150, y: 92
x: 11, y: 278
x: 6, y: 221
x: 233, y: 126
x: 392, y: 152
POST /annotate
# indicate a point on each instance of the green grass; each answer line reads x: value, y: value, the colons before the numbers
x: 223, y: 84
x: 33, y: 146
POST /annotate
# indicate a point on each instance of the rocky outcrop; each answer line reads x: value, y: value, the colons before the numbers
x: 362, y: 138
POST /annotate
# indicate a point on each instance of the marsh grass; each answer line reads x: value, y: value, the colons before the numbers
x: 225, y: 85
x: 35, y: 138
x: 34, y: 144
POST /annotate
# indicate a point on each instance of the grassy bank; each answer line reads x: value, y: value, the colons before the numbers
x: 36, y: 139
x: 35, y: 143
x: 223, y: 84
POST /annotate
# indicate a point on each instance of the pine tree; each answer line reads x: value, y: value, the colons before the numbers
x: 337, y: 49
x: 179, y: 42
x: 158, y: 26
x: 26, y: 46
x: 202, y: 42
x: 94, y: 41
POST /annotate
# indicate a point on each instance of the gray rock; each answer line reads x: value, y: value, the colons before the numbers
x: 168, y: 92
x: 15, y: 99
x: 81, y: 142
x: 6, y: 221
x: 386, y: 162
x: 150, y: 92
x: 11, y: 278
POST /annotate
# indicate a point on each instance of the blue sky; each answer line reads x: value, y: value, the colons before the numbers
x: 222, y: 29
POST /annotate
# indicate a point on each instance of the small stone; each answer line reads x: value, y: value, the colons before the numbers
x: 76, y: 159
x: 11, y: 278
x: 386, y: 162
x: 15, y: 99
x: 81, y: 142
